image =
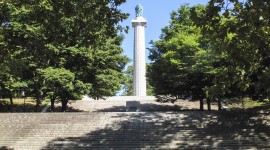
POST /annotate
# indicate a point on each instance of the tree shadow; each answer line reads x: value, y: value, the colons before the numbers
x: 246, y: 130
x: 4, y: 107
x: 69, y: 109
x: 5, y: 148
x: 149, y: 107
x: 264, y: 108
x: 165, y: 98
x: 144, y: 107
x: 173, y: 130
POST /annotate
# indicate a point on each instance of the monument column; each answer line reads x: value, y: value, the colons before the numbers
x: 139, y: 74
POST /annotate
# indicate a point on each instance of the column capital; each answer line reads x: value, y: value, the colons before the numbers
x: 139, y: 21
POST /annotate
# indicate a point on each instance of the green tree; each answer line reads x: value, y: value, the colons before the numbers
x: 58, y: 83
x: 239, y: 30
x: 77, y: 35
x: 11, y: 82
x: 182, y: 58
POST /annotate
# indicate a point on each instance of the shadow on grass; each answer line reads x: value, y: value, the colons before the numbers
x: 4, y: 107
x: 173, y: 130
x: 264, y: 108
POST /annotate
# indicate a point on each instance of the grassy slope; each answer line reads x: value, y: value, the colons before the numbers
x: 30, y: 105
x: 248, y: 104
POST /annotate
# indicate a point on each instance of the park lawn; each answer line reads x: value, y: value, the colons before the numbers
x: 22, y: 105
x: 249, y: 104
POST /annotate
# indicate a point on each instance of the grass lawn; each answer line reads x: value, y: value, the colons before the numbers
x: 248, y: 104
x: 22, y: 105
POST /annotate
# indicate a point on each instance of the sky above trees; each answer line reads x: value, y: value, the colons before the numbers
x: 157, y: 13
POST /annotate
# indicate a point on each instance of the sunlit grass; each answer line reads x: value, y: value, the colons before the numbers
x: 248, y: 103
x: 22, y: 105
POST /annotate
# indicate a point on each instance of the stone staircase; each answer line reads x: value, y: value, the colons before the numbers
x: 135, y: 130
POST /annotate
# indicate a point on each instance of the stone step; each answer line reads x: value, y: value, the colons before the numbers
x: 134, y: 130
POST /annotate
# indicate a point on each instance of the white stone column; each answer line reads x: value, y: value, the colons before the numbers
x: 139, y: 74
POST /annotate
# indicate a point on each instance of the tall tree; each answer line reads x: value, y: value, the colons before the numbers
x: 181, y: 58
x: 58, y: 83
x: 80, y: 36
x: 239, y: 30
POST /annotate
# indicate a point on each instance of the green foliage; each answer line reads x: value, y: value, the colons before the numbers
x: 219, y: 51
x: 240, y: 33
x: 181, y: 58
x: 58, y: 82
x: 128, y: 82
x: 78, y: 36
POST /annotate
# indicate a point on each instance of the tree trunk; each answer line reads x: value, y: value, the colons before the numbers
x: 64, y: 105
x: 219, y: 104
x: 208, y: 104
x: 38, y: 101
x: 201, y: 104
x: 242, y: 103
x: 52, y: 103
x: 11, y: 103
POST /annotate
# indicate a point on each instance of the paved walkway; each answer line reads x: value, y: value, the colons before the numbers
x: 118, y: 104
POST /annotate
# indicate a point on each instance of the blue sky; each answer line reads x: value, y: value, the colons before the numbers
x: 157, y: 14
